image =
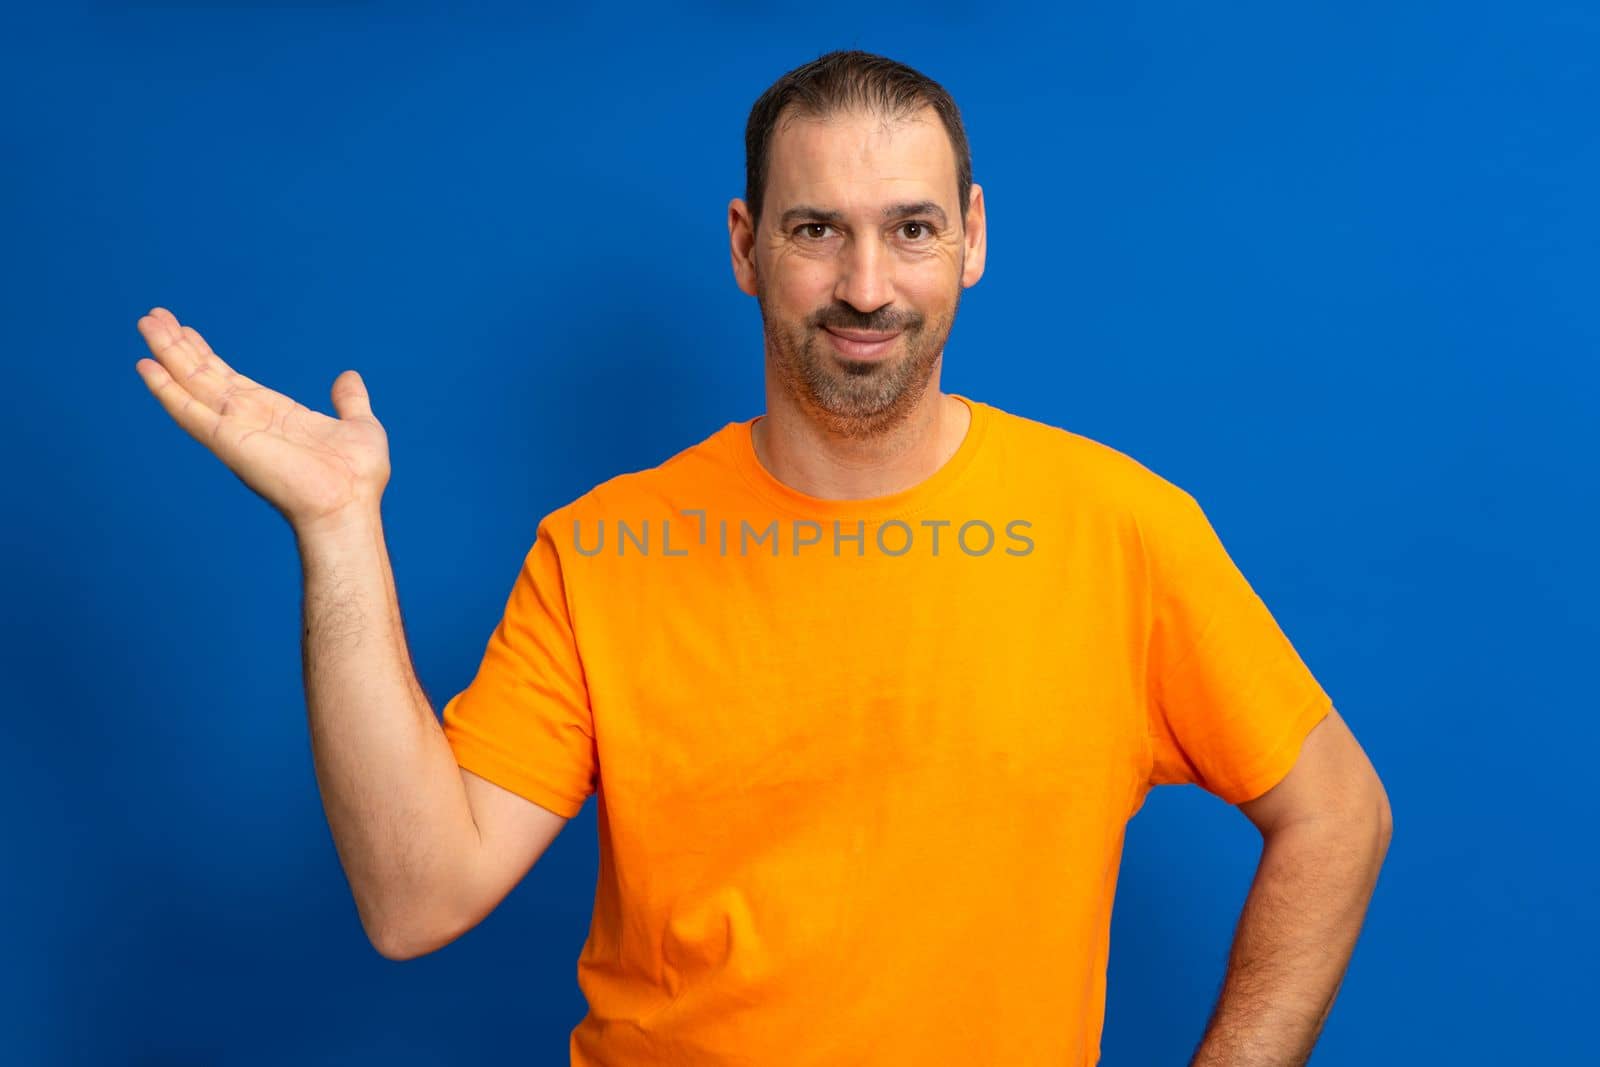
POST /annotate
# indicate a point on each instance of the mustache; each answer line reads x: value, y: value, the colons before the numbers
x: 850, y: 319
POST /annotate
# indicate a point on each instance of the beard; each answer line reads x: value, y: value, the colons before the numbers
x: 849, y: 397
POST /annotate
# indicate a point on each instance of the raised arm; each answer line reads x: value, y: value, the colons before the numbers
x: 399, y: 806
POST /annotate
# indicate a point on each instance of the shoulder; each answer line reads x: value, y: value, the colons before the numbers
x: 1157, y: 523
x: 639, y: 494
x: 1092, y: 470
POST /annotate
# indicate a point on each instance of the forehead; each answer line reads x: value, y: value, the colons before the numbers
x: 857, y: 160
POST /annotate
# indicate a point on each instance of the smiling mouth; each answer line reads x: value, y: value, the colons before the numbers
x: 863, y: 344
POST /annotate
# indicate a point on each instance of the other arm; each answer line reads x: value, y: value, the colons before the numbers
x: 1326, y: 829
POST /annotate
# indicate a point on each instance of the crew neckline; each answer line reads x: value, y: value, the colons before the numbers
x: 909, y: 501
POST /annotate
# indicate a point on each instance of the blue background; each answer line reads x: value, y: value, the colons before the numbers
x: 1331, y: 268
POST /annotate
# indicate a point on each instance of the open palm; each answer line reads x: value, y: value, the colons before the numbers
x: 311, y: 467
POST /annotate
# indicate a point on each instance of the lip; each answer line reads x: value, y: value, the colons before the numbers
x: 861, y: 344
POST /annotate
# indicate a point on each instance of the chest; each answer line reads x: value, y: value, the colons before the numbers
x: 762, y: 679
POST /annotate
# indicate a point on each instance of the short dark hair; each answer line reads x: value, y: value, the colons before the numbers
x: 842, y: 81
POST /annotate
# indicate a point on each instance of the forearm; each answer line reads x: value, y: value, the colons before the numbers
x: 1293, y: 943
x: 390, y: 784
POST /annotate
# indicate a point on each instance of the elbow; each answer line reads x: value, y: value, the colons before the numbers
x: 402, y: 944
x: 395, y: 948
x: 388, y: 940
x: 1382, y: 824
x: 407, y: 941
x: 400, y: 948
x: 391, y: 939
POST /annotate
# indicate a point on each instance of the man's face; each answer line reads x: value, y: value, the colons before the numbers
x: 860, y: 233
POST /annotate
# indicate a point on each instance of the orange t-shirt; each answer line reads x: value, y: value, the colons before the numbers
x: 863, y: 767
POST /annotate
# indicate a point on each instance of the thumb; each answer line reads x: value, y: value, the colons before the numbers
x: 350, y: 398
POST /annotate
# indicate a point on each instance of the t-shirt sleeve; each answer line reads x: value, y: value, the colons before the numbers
x: 1230, y: 699
x: 524, y: 722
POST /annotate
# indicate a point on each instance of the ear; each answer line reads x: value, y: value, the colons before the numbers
x: 741, y: 246
x: 977, y: 238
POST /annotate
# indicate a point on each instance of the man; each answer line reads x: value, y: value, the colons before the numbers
x: 866, y: 687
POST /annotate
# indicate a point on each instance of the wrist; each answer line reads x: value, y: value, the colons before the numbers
x: 352, y: 525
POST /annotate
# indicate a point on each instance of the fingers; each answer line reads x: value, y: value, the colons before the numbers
x: 198, y: 420
x: 161, y: 331
x: 203, y: 349
x: 189, y: 360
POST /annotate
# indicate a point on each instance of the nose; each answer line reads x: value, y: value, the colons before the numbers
x: 866, y: 280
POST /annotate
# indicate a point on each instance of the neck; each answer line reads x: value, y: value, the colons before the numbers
x: 804, y: 454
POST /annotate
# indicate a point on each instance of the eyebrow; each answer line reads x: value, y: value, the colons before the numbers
x: 893, y: 211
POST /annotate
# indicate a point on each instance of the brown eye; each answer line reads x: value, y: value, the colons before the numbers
x: 809, y: 226
x: 921, y: 227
